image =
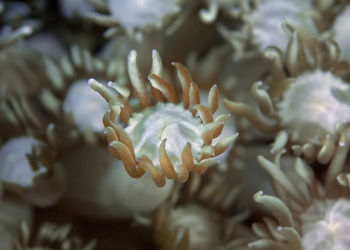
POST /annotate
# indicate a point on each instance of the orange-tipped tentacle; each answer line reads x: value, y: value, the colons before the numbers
x: 164, y: 87
x: 127, y: 158
x: 221, y: 118
x: 208, y: 151
x: 224, y: 144
x: 183, y: 173
x: 165, y: 163
x: 203, y: 165
x: 194, y: 97
x: 110, y: 134
x: 213, y: 99
x: 185, y: 80
x: 204, y: 113
x: 157, y: 176
x: 208, y: 131
x: 187, y: 157
x: 123, y: 138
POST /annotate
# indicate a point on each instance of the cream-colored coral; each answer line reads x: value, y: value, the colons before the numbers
x: 104, y: 190
x: 299, y: 100
x: 191, y: 153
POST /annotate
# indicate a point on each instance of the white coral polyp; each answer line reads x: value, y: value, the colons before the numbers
x: 341, y: 30
x: 104, y: 189
x: 326, y: 225
x: 269, y: 16
x: 139, y: 13
x: 168, y: 121
x: 201, y: 225
x: 15, y: 167
x: 87, y: 106
x: 317, y: 99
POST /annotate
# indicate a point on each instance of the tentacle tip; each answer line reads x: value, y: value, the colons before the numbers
x: 279, y: 229
x: 91, y: 81
x: 27, y: 30
x: 215, y: 85
x: 154, y: 51
x: 51, y: 125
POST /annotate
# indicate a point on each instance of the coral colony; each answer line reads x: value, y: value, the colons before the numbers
x: 174, y: 124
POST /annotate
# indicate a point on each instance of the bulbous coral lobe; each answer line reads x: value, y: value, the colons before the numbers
x: 167, y: 147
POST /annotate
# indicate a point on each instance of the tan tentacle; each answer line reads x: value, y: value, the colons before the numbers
x: 111, y: 135
x: 263, y: 100
x: 208, y: 131
x: 183, y: 173
x: 213, y: 99
x: 119, y: 149
x: 185, y: 80
x: 137, y: 81
x: 327, y: 150
x: 187, y: 157
x: 194, y: 97
x: 204, y: 113
x: 247, y: 112
x: 124, y: 138
x: 221, y: 118
x: 165, y: 163
x: 224, y: 144
x: 277, y: 207
x: 279, y: 177
x: 157, y: 69
x: 164, y: 87
x: 157, y: 175
x: 203, y: 165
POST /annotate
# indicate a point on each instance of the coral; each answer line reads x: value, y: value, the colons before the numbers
x: 167, y: 155
x: 295, y: 100
x: 104, y: 147
x: 24, y: 173
x: 308, y: 213
x: 105, y: 190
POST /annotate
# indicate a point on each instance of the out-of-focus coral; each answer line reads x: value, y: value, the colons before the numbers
x: 105, y: 191
x: 307, y: 213
x: 52, y: 237
x: 303, y: 91
x: 27, y: 173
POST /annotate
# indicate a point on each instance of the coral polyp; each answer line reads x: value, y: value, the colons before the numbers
x: 152, y: 140
x: 308, y: 215
x: 303, y: 100
x: 326, y: 225
x: 318, y: 99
